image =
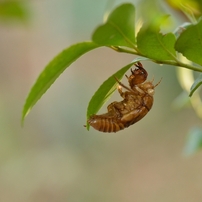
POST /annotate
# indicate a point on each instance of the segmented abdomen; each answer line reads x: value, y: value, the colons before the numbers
x: 105, y: 124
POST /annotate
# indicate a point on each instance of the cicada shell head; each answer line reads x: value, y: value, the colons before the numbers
x: 138, y: 76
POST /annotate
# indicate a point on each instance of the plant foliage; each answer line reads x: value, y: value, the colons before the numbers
x: 118, y: 33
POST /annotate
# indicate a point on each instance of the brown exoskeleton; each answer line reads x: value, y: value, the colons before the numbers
x: 136, y: 103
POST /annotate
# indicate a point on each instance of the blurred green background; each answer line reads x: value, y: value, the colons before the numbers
x: 53, y: 158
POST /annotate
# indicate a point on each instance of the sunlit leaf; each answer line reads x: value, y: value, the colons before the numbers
x: 189, y: 43
x: 188, y: 7
x: 119, y: 29
x: 155, y: 45
x: 53, y: 70
x: 195, y: 85
x: 194, y: 141
x: 106, y: 89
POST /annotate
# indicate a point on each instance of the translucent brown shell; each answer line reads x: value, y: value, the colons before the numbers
x: 136, y: 103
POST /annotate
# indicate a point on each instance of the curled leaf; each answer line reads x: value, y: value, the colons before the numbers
x: 195, y: 85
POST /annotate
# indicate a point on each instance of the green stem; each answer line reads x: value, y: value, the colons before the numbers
x: 175, y: 62
x: 126, y: 50
x: 180, y: 64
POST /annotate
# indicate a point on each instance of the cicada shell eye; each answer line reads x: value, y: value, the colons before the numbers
x: 138, y: 76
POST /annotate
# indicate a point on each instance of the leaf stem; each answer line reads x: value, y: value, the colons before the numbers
x: 180, y: 64
x: 175, y: 62
x: 127, y: 50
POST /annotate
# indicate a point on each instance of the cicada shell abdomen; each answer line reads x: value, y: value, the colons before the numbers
x: 105, y: 124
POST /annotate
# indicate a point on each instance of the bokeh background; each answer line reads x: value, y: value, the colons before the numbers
x: 53, y: 158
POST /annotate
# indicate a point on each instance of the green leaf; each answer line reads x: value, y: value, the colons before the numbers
x: 155, y: 45
x: 13, y: 10
x: 194, y: 141
x: 195, y: 85
x: 106, y: 89
x: 119, y: 29
x: 189, y: 43
x: 53, y: 70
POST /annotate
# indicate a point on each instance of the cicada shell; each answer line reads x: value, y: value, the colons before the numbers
x: 137, y: 102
